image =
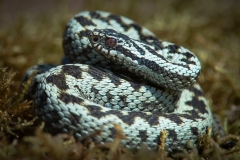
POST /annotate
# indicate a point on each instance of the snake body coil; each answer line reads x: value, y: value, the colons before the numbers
x: 121, y: 73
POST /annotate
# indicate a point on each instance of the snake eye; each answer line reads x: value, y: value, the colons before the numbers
x: 111, y: 42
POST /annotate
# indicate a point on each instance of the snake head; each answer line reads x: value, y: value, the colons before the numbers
x: 103, y: 39
x: 114, y: 46
x: 106, y: 38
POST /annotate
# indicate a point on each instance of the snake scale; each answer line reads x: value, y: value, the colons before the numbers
x: 117, y: 72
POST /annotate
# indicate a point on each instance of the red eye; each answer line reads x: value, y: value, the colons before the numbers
x: 111, y: 42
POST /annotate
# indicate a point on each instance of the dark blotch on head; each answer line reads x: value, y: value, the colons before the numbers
x: 150, y: 64
x: 154, y: 52
x: 171, y: 133
x: 151, y: 40
x: 188, y: 60
x: 173, y: 48
x: 188, y: 55
x: 83, y: 33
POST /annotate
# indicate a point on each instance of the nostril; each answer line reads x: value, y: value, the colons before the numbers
x: 95, y: 39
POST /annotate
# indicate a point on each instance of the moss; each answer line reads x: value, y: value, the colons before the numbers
x: 208, y: 28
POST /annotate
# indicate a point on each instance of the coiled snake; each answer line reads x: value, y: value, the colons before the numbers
x: 118, y: 72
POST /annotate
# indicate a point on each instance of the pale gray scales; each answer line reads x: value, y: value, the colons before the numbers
x: 118, y: 72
